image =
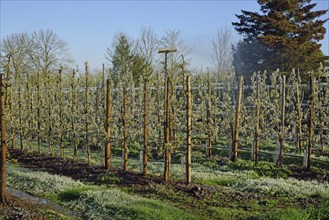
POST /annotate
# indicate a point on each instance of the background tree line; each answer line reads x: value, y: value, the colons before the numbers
x: 283, y: 35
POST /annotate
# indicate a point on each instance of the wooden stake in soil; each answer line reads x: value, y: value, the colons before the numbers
x: 108, y: 127
x: 209, y: 153
x: 9, y: 90
x: 60, y: 105
x: 103, y: 120
x: 188, y: 130
x: 145, y: 151
x: 283, y: 108
x: 167, y: 127
x: 30, y: 111
x: 38, y: 113
x: 50, y: 115
x: 125, y: 132
x: 73, y: 109
x: 159, y: 121
x: 3, y: 141
x: 20, y: 127
x: 237, y: 122
x: 256, y: 147
x: 12, y: 117
x: 310, y: 125
x: 299, y: 115
x: 87, y: 115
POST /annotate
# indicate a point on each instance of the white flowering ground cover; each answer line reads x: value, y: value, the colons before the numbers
x: 284, y: 187
x: 234, y: 194
x: 91, y: 202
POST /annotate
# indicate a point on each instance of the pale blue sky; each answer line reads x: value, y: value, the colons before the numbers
x: 89, y: 26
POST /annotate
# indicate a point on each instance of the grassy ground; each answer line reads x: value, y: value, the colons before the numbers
x: 220, y: 190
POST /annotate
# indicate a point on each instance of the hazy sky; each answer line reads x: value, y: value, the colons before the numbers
x: 89, y: 26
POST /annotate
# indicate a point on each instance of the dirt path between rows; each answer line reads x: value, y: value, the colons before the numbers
x: 78, y: 170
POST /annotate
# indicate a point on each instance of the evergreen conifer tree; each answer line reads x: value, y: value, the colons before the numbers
x: 284, y: 35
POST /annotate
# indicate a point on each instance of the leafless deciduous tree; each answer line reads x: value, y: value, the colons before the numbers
x: 16, y: 46
x: 173, y: 38
x: 222, y: 52
x: 48, y: 51
x: 148, y: 45
x: 42, y: 51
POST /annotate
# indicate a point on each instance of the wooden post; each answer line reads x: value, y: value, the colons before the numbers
x: 12, y: 117
x: 29, y: 93
x: 234, y: 156
x: 60, y: 105
x: 167, y: 126
x: 158, y: 109
x: 20, y: 112
x: 3, y: 141
x: 125, y: 132
x: 299, y: 115
x: 258, y: 103
x: 74, y: 142
x: 87, y: 114
x: 188, y: 130
x: 50, y: 122
x: 209, y: 153
x: 9, y: 95
x: 310, y: 125
x: 104, y: 92
x: 98, y: 112
x: 108, y: 121
x: 145, y: 151
x: 38, y: 113
x: 103, y: 119
x: 283, y: 107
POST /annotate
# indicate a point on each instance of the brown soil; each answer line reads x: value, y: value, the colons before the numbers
x: 78, y: 170
x: 81, y: 171
x: 304, y: 174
